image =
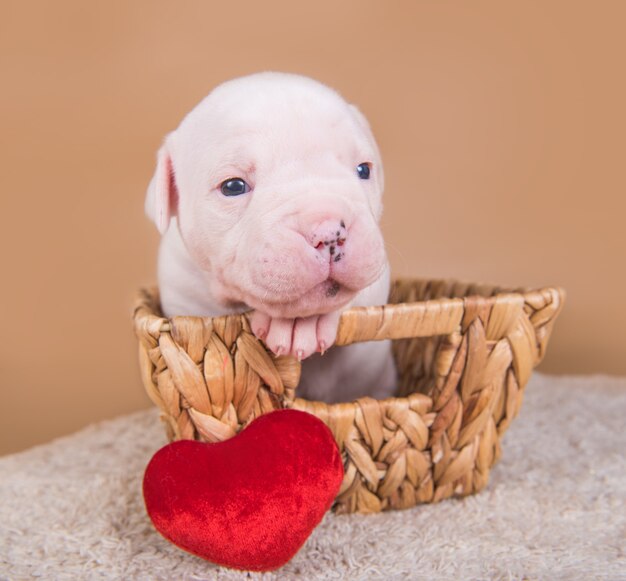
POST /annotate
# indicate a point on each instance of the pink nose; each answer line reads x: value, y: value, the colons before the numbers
x: 328, y: 237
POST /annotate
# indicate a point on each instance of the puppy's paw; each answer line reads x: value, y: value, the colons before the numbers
x: 326, y: 330
x: 299, y: 337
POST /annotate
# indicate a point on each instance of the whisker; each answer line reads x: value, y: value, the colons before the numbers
x: 399, y: 253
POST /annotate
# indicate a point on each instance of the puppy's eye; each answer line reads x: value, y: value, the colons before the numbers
x: 234, y: 187
x: 363, y: 169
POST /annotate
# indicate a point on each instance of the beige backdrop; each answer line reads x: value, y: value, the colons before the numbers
x: 502, y: 127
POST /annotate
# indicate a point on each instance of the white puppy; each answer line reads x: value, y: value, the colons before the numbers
x: 268, y: 197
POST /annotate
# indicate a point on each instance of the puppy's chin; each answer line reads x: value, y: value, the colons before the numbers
x: 323, y: 298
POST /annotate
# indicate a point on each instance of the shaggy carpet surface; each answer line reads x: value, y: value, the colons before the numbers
x: 554, y: 509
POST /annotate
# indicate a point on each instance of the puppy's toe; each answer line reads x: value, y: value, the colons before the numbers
x: 304, y: 342
x: 327, y: 330
x: 279, y: 336
x: 259, y: 323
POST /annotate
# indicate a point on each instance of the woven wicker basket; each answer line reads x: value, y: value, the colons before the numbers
x: 464, y: 353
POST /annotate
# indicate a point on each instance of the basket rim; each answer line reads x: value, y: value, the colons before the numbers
x: 425, y: 318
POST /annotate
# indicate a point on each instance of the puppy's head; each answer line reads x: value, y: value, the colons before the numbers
x: 276, y: 185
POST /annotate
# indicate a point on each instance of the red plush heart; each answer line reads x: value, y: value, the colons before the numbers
x: 249, y: 502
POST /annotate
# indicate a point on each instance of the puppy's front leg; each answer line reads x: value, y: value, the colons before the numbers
x: 299, y: 337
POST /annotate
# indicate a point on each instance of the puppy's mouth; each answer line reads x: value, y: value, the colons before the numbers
x: 323, y: 298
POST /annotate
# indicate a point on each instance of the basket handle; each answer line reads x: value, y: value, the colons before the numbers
x: 400, y: 321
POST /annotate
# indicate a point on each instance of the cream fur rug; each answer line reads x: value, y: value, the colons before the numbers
x: 554, y: 509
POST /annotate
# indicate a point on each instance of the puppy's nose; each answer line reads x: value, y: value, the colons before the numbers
x: 328, y: 237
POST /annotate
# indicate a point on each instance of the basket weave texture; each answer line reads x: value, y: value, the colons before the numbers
x: 464, y: 353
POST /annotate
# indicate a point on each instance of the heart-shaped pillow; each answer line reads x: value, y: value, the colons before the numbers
x: 249, y: 502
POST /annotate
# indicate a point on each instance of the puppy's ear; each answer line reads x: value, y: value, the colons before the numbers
x: 162, y: 194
